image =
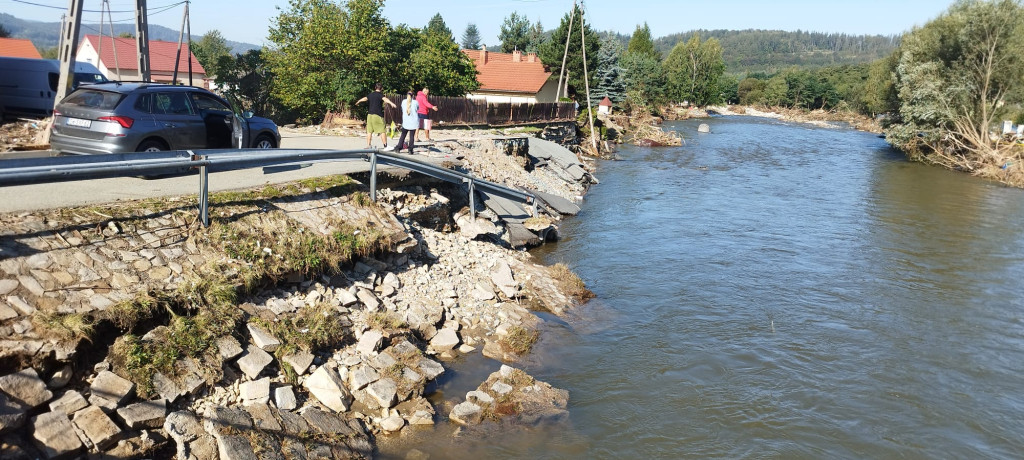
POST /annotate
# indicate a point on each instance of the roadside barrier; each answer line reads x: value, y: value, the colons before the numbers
x: 203, y: 162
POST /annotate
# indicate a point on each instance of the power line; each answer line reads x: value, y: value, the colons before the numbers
x: 94, y: 11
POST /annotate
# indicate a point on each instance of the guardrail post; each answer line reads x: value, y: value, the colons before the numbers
x: 204, y: 193
x: 472, y: 200
x: 373, y: 176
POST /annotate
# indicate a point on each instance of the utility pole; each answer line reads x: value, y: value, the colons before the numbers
x: 568, y: 35
x: 181, y: 36
x: 586, y: 81
x: 142, y: 39
x: 69, y: 46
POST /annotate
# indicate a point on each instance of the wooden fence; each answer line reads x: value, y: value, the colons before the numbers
x: 466, y: 111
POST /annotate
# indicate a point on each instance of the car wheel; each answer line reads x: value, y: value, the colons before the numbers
x: 151, y: 146
x: 264, y: 142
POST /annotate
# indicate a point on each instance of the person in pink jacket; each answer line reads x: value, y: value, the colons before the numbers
x: 424, y: 112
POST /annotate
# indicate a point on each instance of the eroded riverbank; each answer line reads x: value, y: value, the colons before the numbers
x: 305, y: 319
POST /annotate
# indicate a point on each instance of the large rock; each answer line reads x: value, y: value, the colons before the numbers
x: 430, y: 368
x: 466, y: 413
x: 445, y: 340
x: 54, y: 436
x: 109, y: 390
x: 370, y: 342
x: 383, y: 391
x: 392, y: 423
x: 97, y: 426
x: 145, y: 414
x: 235, y: 448
x: 263, y: 339
x: 327, y: 387
x: 184, y: 428
x: 255, y: 392
x: 228, y: 347
x: 502, y: 278
x: 12, y: 414
x: 263, y: 418
x: 26, y: 387
x: 284, y: 398
x: 299, y: 361
x: 71, y: 402
x: 326, y: 422
x: 369, y: 300
x: 254, y: 361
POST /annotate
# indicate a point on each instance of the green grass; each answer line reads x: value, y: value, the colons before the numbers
x: 519, y: 340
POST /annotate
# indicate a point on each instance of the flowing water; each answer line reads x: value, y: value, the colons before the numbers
x: 772, y: 290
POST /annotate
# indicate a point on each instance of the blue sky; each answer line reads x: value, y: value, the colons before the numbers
x: 249, y: 20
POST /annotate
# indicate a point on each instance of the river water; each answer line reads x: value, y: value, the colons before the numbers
x: 773, y: 290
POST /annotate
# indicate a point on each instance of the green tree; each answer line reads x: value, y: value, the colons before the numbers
x: 4, y: 33
x: 248, y: 78
x: 957, y: 75
x: 515, y: 33
x: 880, y: 94
x: 609, y: 75
x: 326, y: 55
x: 776, y: 92
x: 645, y: 79
x: 437, y: 26
x: 750, y: 91
x: 209, y: 49
x: 471, y: 37
x: 50, y: 53
x: 536, y: 36
x: 641, y: 43
x: 552, y: 50
x: 439, y: 64
x: 693, y: 69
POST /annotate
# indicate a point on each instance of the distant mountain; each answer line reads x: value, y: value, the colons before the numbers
x: 47, y: 34
x: 746, y: 51
x: 772, y: 50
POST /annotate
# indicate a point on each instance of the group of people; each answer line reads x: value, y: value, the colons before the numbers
x: 415, y: 117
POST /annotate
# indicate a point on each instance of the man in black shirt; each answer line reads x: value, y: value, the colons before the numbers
x: 375, y: 115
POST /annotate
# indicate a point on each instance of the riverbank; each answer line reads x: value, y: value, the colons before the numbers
x: 820, y: 118
x: 304, y: 319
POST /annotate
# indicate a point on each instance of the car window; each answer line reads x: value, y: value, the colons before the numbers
x: 172, y: 103
x: 206, y: 102
x: 93, y: 99
x: 144, y: 103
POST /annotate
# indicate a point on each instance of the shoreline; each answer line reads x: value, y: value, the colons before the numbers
x: 817, y: 118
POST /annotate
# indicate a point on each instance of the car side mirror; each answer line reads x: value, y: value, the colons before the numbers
x: 247, y: 114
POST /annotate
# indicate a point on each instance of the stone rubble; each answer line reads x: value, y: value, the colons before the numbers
x: 447, y: 286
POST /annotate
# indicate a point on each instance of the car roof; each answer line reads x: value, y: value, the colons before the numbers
x: 130, y: 86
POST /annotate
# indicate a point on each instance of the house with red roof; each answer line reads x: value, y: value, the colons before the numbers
x: 117, y: 60
x: 511, y: 77
x: 19, y: 48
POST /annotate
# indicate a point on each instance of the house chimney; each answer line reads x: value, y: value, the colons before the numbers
x: 531, y: 57
x: 517, y: 56
x: 483, y: 54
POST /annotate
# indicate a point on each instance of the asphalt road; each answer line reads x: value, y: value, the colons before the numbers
x: 102, y: 191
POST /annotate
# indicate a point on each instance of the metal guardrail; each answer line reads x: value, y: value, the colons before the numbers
x: 29, y: 171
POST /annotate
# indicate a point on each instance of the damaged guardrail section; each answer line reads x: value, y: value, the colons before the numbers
x: 203, y: 162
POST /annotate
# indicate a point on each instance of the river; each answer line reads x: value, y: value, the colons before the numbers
x: 773, y: 290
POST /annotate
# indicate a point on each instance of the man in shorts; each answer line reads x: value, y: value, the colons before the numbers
x: 375, y: 115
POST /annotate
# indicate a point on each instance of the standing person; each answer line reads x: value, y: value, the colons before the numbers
x: 410, y: 121
x: 424, y: 111
x: 375, y: 115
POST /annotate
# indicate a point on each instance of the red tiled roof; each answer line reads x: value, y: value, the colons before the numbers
x: 500, y: 73
x: 161, y: 55
x: 18, y: 47
x: 605, y: 102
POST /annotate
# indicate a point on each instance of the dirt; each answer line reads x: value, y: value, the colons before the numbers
x: 23, y: 134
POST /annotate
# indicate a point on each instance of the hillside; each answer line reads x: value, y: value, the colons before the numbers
x: 46, y: 34
x: 772, y: 50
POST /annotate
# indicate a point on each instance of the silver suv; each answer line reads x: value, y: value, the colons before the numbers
x: 118, y: 117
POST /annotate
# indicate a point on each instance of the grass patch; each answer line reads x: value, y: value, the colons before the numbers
x: 524, y: 130
x: 518, y: 378
x: 313, y: 328
x: 519, y: 340
x: 126, y: 315
x: 570, y: 283
x: 385, y: 320
x: 64, y: 326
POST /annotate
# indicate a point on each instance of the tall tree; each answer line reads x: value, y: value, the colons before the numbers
x: 438, y: 64
x: 209, y: 49
x: 471, y: 37
x: 552, y: 50
x: 4, y: 33
x: 693, y: 69
x: 248, y: 77
x: 437, y: 26
x: 515, y: 33
x: 956, y: 76
x: 641, y: 43
x: 536, y: 37
x: 645, y: 79
x: 609, y: 74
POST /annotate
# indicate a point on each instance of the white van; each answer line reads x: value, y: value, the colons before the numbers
x: 28, y: 86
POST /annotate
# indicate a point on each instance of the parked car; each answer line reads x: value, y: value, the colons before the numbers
x: 28, y: 86
x: 118, y: 117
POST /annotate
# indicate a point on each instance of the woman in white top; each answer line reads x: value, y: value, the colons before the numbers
x: 410, y: 122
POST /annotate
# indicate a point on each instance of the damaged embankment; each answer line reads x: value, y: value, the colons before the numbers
x: 305, y: 320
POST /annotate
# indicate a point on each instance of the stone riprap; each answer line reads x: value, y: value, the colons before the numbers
x: 441, y: 288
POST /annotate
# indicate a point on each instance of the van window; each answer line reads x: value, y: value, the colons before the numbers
x: 54, y: 80
x: 94, y: 99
